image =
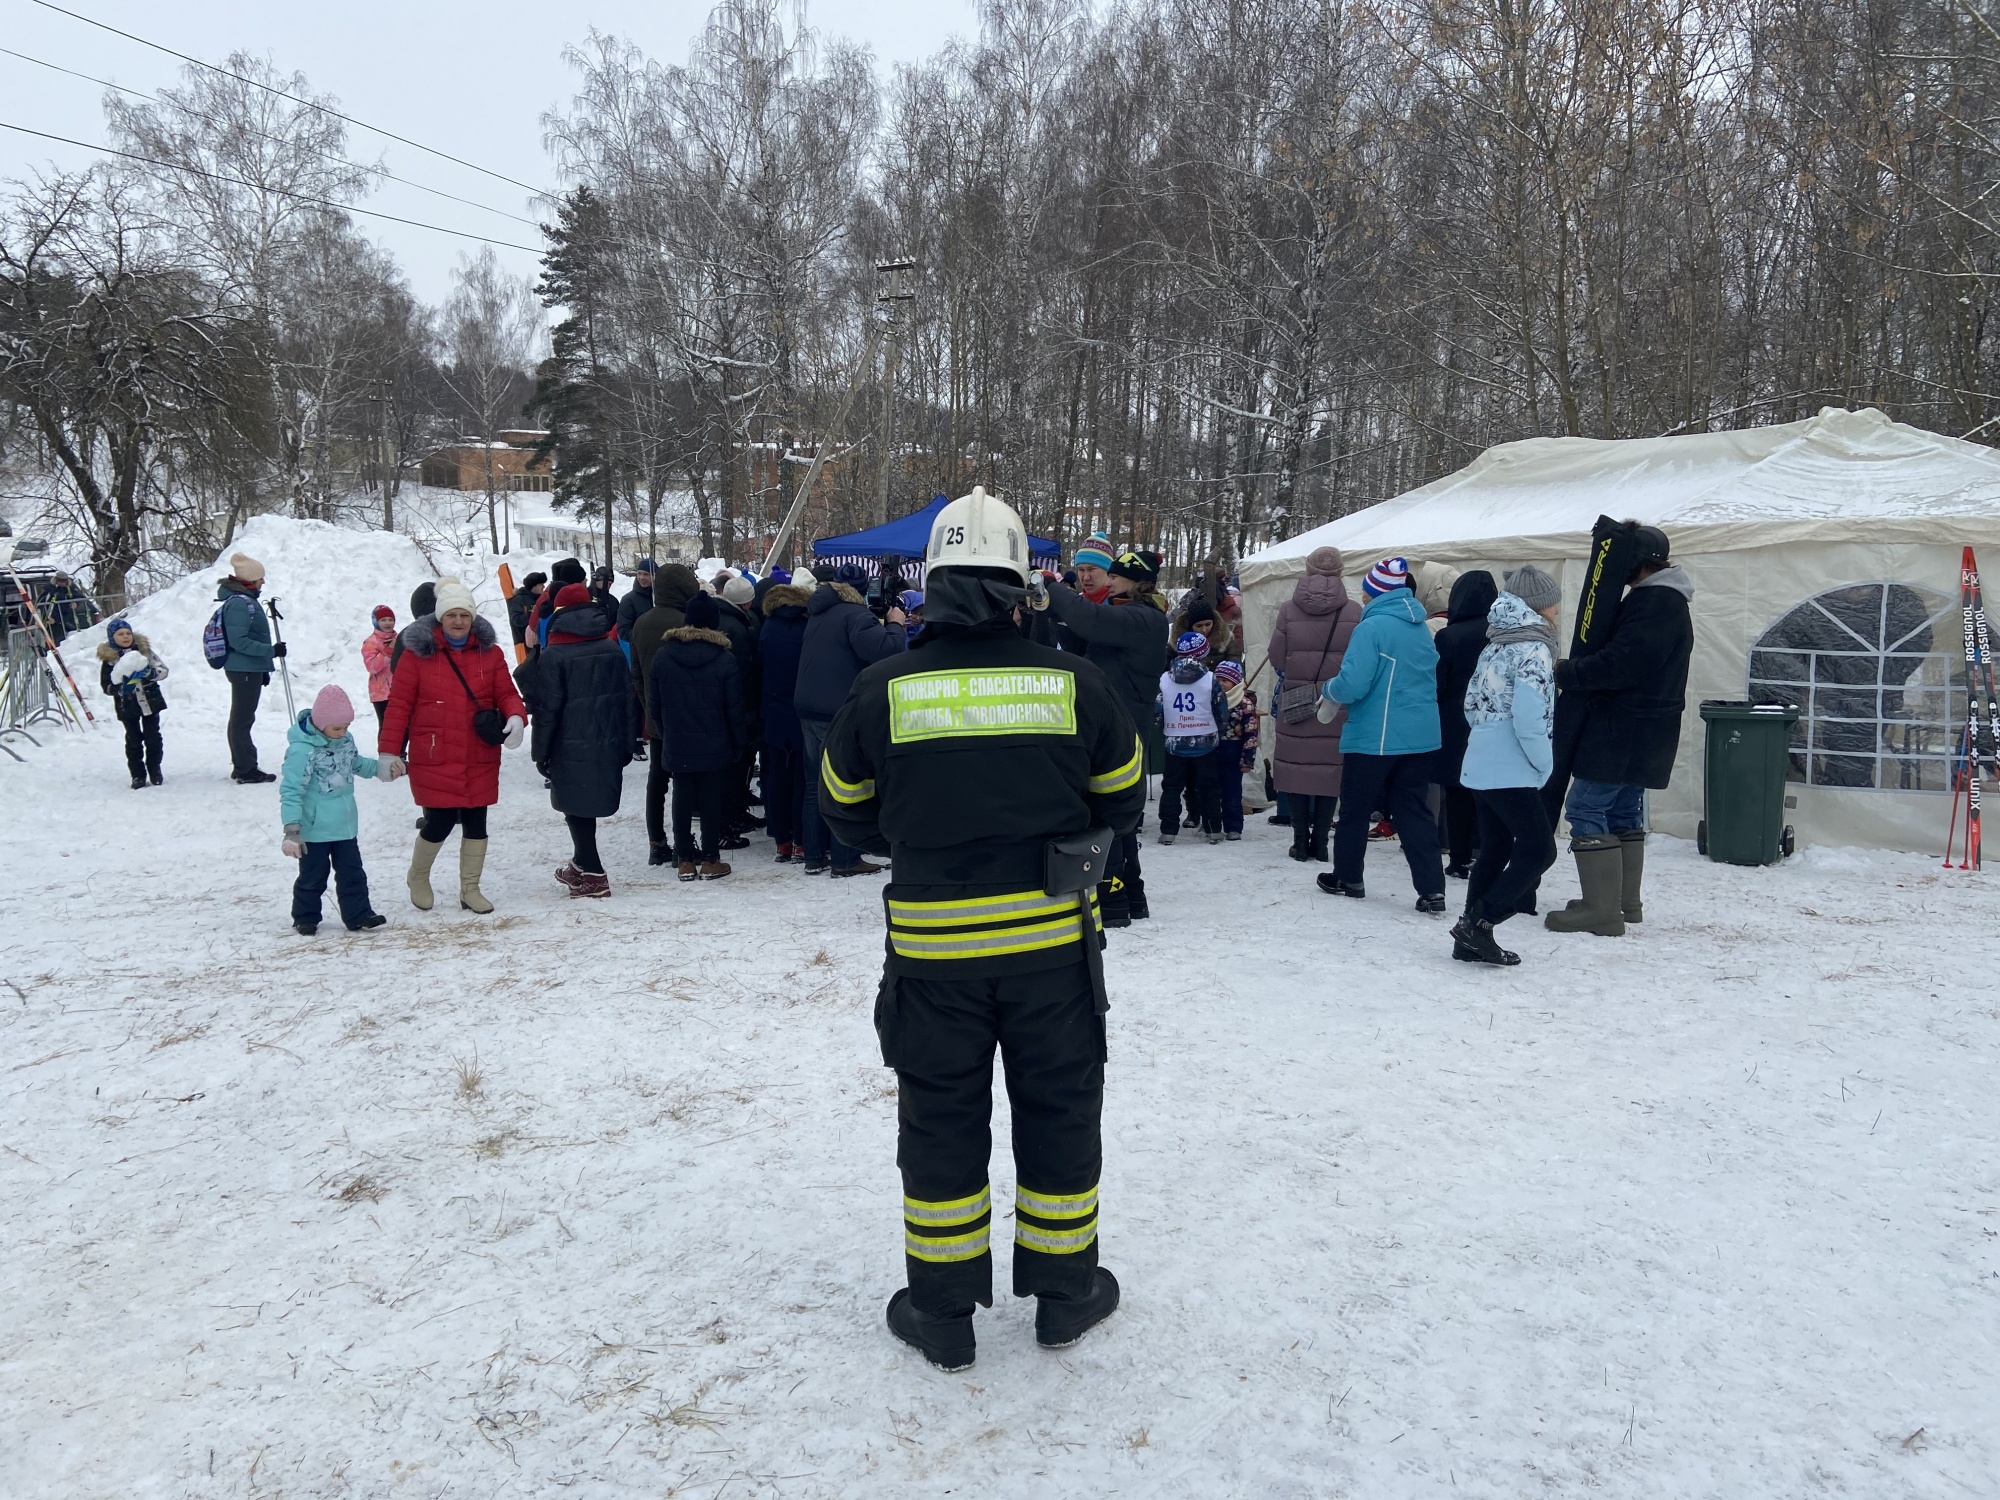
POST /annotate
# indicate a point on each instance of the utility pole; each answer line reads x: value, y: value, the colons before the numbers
x: 890, y: 298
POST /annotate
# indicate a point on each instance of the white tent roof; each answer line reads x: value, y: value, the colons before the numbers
x: 1839, y: 465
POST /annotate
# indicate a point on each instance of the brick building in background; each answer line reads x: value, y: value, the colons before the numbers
x: 463, y: 466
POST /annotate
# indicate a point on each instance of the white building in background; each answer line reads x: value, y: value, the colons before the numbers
x: 583, y: 539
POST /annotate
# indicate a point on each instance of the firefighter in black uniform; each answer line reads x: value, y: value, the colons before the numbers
x: 995, y: 773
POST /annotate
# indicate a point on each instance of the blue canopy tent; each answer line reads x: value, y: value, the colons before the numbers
x: 906, y: 537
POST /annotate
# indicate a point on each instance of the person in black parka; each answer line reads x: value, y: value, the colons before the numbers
x: 1620, y: 707
x: 638, y: 601
x: 785, y: 777
x: 1128, y: 642
x: 423, y: 601
x: 586, y: 720
x: 673, y: 586
x: 1459, y: 645
x: 842, y: 637
x: 695, y: 704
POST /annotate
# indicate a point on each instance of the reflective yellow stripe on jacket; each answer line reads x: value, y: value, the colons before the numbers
x: 846, y: 792
x: 1126, y: 775
x: 985, y: 926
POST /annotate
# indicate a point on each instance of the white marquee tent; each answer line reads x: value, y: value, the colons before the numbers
x: 1825, y: 558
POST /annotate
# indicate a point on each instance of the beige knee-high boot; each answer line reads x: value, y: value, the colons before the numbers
x: 471, y: 861
x: 421, y: 859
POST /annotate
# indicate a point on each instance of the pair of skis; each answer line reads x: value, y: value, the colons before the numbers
x: 1978, y: 745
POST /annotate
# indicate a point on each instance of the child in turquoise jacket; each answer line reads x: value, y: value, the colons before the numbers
x: 322, y: 824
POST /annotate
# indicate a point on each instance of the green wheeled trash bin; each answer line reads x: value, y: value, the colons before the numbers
x: 1743, y: 782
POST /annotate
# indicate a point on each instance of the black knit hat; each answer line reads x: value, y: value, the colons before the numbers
x: 1140, y: 567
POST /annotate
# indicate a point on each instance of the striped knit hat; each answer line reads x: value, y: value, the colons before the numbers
x: 1094, y: 553
x: 1390, y: 573
x: 1229, y: 673
x: 1194, y: 644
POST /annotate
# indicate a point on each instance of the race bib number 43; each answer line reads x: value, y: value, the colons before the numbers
x: 944, y: 705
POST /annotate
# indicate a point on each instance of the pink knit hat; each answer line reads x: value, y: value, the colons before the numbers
x: 332, y: 706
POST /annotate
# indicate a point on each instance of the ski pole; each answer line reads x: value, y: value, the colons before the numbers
x: 284, y: 668
x: 48, y: 639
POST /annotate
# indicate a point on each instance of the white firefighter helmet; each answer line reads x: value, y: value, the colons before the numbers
x: 979, y: 531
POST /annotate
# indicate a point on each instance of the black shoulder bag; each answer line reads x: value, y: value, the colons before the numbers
x: 486, y: 722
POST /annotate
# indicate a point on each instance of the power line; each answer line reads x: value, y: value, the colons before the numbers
x: 260, y: 187
x: 309, y: 103
x: 266, y: 135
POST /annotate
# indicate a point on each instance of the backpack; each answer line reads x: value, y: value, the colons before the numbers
x: 215, y: 639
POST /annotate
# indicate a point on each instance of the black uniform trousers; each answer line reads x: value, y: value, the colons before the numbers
x: 939, y: 1035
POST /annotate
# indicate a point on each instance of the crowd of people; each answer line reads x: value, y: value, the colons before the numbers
x: 1441, y: 710
x: 1438, y: 709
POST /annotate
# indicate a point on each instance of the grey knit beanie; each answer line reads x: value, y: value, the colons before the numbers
x: 1533, y: 587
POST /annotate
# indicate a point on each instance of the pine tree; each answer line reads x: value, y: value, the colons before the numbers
x: 573, y: 396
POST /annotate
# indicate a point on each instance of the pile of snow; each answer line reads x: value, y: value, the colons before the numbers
x: 326, y: 581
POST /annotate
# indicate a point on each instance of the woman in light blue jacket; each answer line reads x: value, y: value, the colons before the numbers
x: 1510, y: 705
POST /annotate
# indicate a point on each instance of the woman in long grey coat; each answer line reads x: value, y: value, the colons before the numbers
x: 1306, y: 647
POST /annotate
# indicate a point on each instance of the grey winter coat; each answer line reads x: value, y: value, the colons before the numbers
x: 1307, y: 645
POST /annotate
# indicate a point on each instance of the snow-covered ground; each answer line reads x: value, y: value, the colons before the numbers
x: 599, y: 1198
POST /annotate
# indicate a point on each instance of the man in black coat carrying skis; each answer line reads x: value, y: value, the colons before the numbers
x: 1621, y: 708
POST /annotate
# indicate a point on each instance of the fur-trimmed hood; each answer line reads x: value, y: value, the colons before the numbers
x: 827, y: 595
x: 109, y: 654
x: 785, y: 596
x: 420, y: 636
x: 698, y: 633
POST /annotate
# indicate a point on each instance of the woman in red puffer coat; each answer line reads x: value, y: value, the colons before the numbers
x: 451, y: 667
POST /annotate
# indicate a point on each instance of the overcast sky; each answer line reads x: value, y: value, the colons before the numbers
x: 472, y: 79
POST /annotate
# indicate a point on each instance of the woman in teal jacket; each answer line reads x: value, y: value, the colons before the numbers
x: 1388, y: 683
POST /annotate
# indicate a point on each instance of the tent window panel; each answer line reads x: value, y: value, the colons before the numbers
x: 1880, y: 690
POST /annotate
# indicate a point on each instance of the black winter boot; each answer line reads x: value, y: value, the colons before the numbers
x: 1301, y: 849
x: 1114, y: 907
x: 946, y: 1339
x: 1061, y: 1321
x: 1473, y: 942
x: 1135, y: 898
x: 1322, y: 825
